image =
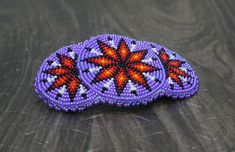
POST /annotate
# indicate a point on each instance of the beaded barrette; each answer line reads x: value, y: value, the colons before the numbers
x: 113, y: 69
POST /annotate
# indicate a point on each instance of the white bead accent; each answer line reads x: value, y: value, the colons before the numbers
x: 72, y: 54
x: 170, y: 81
x: 95, y: 69
x: 183, y: 78
x: 133, y: 47
x: 132, y: 86
x: 107, y: 85
x: 155, y: 50
x: 171, y: 56
x: 112, y: 44
x: 82, y: 90
x: 96, y: 52
x: 148, y: 60
x: 62, y: 90
x: 51, y: 79
x: 149, y: 76
x: 54, y: 64
x: 183, y: 69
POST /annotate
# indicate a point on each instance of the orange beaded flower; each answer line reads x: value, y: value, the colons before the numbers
x: 66, y: 74
x: 172, y: 68
x: 121, y: 65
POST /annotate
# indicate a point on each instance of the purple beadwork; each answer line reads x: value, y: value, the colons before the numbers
x: 113, y: 69
x: 58, y: 81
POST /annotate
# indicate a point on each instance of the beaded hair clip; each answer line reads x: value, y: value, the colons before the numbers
x: 113, y: 69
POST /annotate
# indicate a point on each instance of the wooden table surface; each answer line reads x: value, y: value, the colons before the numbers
x: 203, y: 31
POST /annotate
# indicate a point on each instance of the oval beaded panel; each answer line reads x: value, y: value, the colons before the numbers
x: 181, y: 79
x: 58, y: 81
x: 121, y: 70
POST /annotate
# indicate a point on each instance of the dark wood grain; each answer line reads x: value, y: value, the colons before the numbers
x: 203, y: 31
